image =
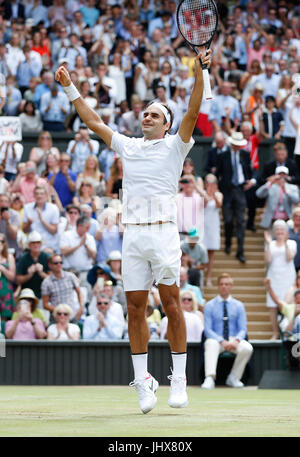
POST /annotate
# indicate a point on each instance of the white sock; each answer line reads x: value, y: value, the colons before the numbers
x: 179, y: 364
x: 140, y: 365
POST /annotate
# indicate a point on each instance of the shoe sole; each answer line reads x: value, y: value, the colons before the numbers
x: 178, y: 405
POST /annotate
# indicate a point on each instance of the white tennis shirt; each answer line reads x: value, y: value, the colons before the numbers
x: 151, y: 171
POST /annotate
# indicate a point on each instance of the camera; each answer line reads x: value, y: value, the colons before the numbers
x: 184, y: 181
x: 4, y: 209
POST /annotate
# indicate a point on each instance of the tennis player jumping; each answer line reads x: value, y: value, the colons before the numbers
x: 152, y: 166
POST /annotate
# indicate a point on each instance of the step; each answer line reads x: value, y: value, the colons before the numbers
x: 259, y: 326
x: 248, y: 247
x: 257, y: 316
x: 259, y: 335
x: 249, y: 255
x: 241, y: 273
x: 256, y: 307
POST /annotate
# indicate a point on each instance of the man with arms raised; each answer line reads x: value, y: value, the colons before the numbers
x: 151, y: 247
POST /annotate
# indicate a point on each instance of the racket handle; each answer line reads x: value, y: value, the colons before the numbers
x: 206, y: 82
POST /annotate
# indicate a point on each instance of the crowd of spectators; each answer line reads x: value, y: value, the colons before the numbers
x: 60, y: 213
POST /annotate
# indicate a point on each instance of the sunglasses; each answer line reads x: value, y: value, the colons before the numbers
x: 57, y: 263
x: 102, y: 303
x: 73, y: 212
x: 45, y: 137
x: 85, y: 184
x: 64, y: 160
x: 2, y: 241
x: 62, y: 314
x: 98, y: 273
x: 187, y: 299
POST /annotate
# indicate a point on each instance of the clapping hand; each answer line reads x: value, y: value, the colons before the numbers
x: 267, y: 236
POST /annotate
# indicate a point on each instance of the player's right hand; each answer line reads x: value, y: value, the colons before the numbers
x: 62, y: 76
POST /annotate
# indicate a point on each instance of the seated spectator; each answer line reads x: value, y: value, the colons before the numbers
x: 291, y: 327
x: 104, y: 325
x: 10, y: 155
x: 92, y: 171
x: 64, y: 182
x: 114, y: 291
x: 4, y: 184
x: 7, y: 278
x: 279, y: 257
x: 63, y: 330
x: 225, y: 328
x: 130, y: 122
x: 26, y: 181
x: 32, y: 267
x: 40, y: 152
x: 115, y: 262
x: 289, y: 296
x: 189, y: 169
x: 280, y: 195
x: 86, y: 196
x: 78, y: 249
x: 196, y: 251
x: 25, y: 326
x: 280, y: 159
x: 51, y: 165
x: 43, y: 217
x: 9, y: 223
x: 28, y: 295
x: 114, y: 182
x: 109, y: 235
x: 185, y: 285
x: 31, y: 120
x: 81, y: 148
x: 271, y: 121
x: 59, y: 287
x: 54, y: 108
x: 193, y: 322
x: 213, y: 201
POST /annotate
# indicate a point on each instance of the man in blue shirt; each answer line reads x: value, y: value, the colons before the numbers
x: 219, y: 105
x: 64, y: 182
x: 54, y: 108
x: 225, y: 326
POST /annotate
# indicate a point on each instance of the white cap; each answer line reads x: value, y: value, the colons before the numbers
x: 34, y: 237
x: 281, y: 169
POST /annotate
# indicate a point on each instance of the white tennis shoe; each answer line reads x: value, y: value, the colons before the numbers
x: 208, y: 383
x: 146, y: 389
x: 178, y: 395
x: 232, y: 381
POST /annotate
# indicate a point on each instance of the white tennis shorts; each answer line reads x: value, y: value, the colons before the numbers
x: 150, y: 253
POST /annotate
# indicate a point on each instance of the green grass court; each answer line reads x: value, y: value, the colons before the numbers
x: 113, y: 411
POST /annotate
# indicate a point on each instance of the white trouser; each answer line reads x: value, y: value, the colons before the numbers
x: 212, y: 350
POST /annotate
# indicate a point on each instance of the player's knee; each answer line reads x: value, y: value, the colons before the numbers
x: 171, y: 308
x: 134, y: 309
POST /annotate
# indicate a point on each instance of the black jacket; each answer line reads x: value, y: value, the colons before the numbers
x: 225, y: 172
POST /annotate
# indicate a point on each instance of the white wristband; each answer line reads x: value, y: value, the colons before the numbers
x: 71, y: 92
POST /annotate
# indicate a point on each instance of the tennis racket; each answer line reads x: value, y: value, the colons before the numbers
x: 197, y: 21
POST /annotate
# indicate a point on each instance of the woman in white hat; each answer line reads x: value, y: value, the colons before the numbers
x: 114, y: 261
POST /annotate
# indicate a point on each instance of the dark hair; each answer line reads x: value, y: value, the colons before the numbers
x: 72, y: 206
x: 83, y: 220
x: 28, y: 102
x: 169, y: 111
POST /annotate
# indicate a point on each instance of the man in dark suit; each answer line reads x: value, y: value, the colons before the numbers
x: 213, y: 152
x: 280, y: 159
x: 235, y: 178
x: 14, y: 9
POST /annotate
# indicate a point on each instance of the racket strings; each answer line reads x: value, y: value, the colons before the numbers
x: 197, y: 21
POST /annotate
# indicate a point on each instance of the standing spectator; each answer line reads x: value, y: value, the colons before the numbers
x: 117, y: 71
x: 130, y: 122
x: 294, y: 116
x: 279, y: 257
x: 32, y: 267
x: 281, y: 159
x: 248, y: 81
x: 220, y: 103
x: 190, y: 206
x: 189, y: 169
x: 141, y: 76
x: 280, y: 195
x: 9, y: 223
x: 4, y: 184
x: 254, y: 105
x: 13, y: 97
x: 63, y: 330
x: 86, y: 196
x: 213, y: 201
x: 40, y: 152
x: 71, y: 51
x: 54, y: 108
x: 269, y: 80
x: 25, y: 326
x: 72, y: 214
x: 30, y: 118
x: 271, y: 120
x: 27, y: 69
x: 43, y: 217
x: 220, y: 146
x: 57, y: 12
x: 196, y: 251
x: 59, y: 287
x: 44, y: 87
x: 38, y: 13
x: 64, y: 182
x: 78, y: 249
x: 26, y: 181
x: 109, y: 236
x: 235, y: 178
x: 7, y: 278
x: 92, y: 172
x: 294, y: 234
x: 90, y: 13
x: 225, y: 327
x: 104, y: 325
x: 14, y: 53
x: 185, y: 285
x: 114, y: 183
x: 10, y: 155
x: 80, y: 148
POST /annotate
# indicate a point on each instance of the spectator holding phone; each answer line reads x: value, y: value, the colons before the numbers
x: 80, y: 148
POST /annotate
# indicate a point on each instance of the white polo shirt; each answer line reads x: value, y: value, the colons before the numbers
x: 151, y: 171
x: 50, y: 213
x: 79, y: 259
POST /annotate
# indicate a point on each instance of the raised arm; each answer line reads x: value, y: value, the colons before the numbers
x: 189, y: 119
x: 87, y: 115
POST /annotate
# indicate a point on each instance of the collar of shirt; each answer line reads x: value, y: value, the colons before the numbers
x: 221, y: 300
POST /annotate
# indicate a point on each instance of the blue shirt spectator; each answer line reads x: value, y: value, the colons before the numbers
x: 223, y: 101
x: 54, y: 108
x: 27, y: 69
x: 90, y: 14
x: 64, y: 182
